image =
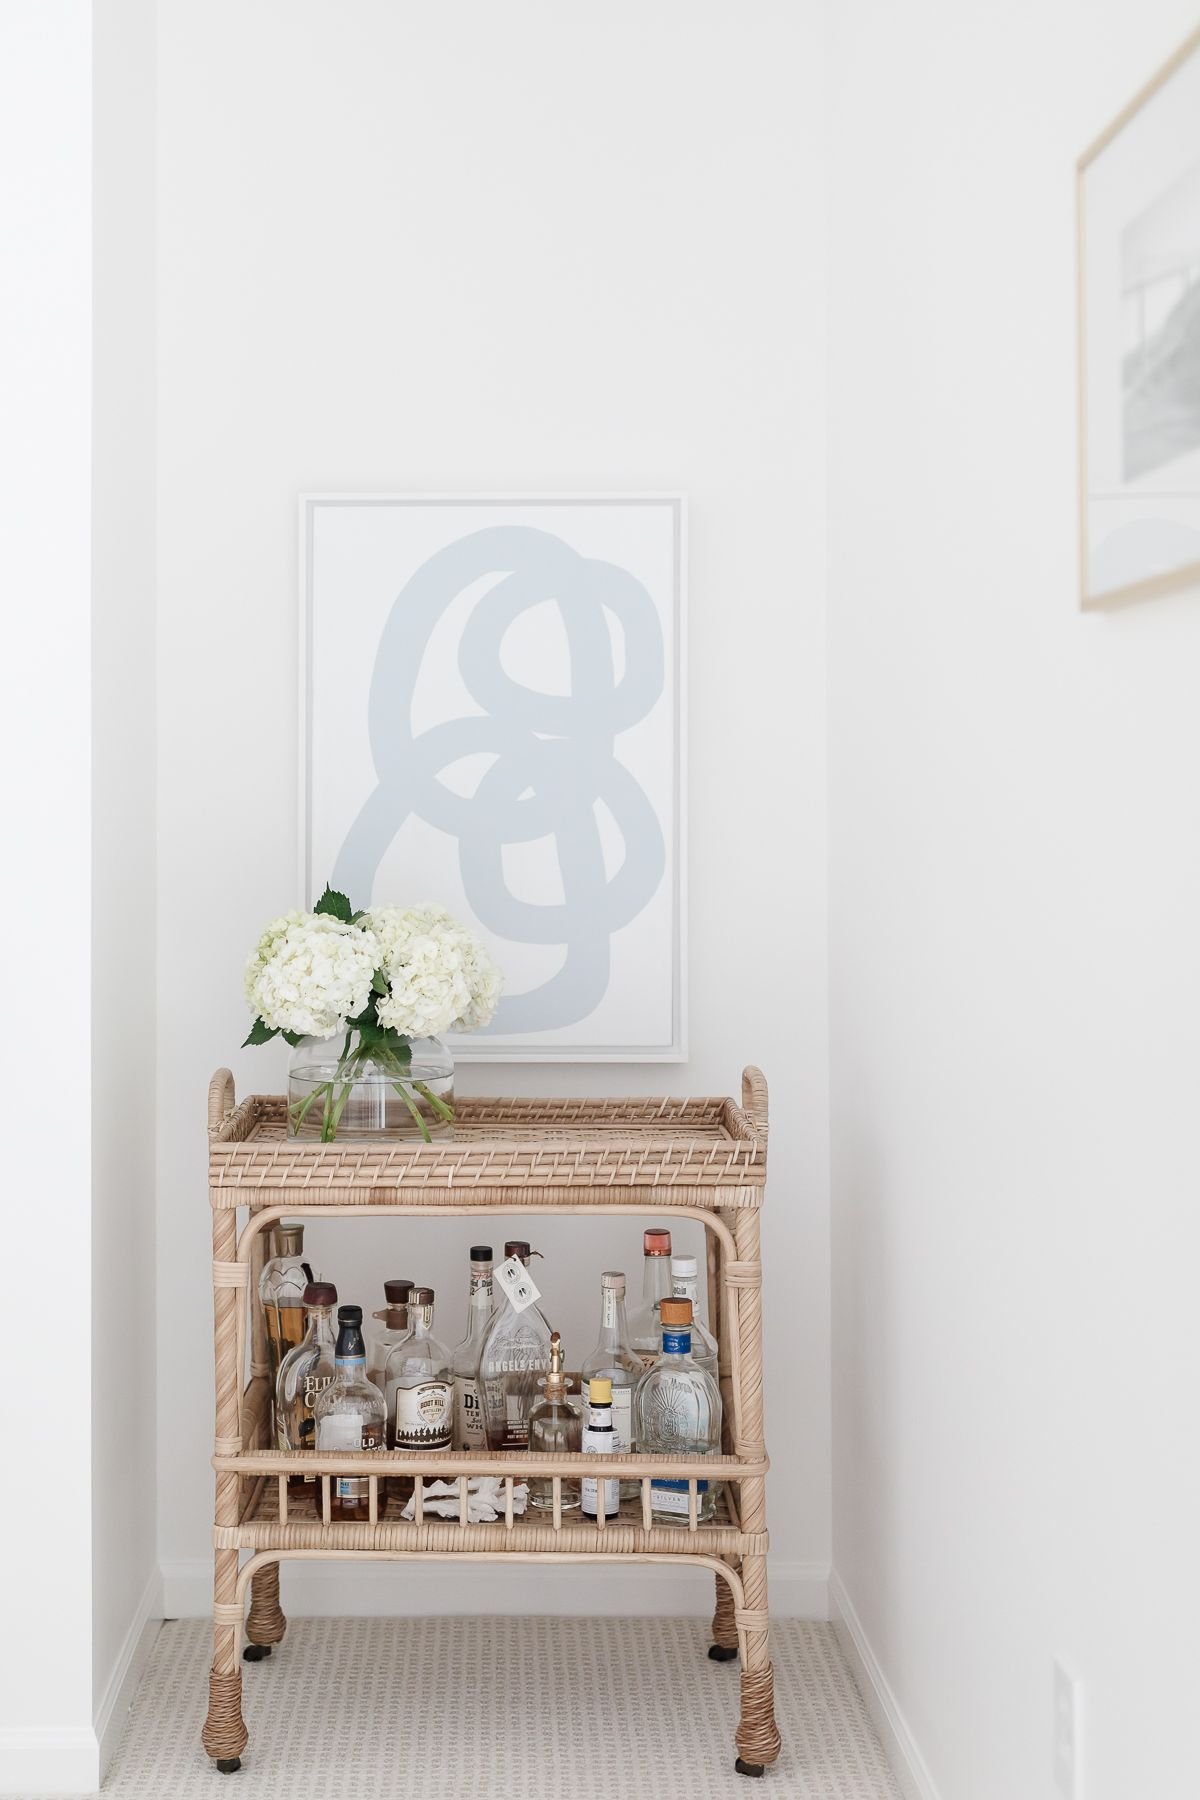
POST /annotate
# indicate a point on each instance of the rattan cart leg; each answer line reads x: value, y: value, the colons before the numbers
x: 265, y: 1623
x: 225, y: 1735
x: 757, y: 1735
x: 724, y: 1647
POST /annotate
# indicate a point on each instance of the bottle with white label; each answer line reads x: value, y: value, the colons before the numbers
x: 645, y: 1327
x: 598, y: 1440
x: 351, y: 1415
x: 615, y: 1357
x: 677, y: 1412
x: 419, y: 1388
x: 516, y: 1351
x: 469, y: 1433
x: 685, y: 1279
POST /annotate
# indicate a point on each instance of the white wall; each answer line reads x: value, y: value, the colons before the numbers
x: 469, y: 248
x: 1015, y: 967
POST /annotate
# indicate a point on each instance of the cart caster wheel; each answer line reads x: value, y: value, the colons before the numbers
x: 256, y: 1652
x: 721, y: 1653
x: 745, y: 1768
x: 228, y: 1765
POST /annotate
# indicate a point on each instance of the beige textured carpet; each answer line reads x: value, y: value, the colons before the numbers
x: 498, y: 1709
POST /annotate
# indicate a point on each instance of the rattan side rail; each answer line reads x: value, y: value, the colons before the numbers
x: 703, y: 1159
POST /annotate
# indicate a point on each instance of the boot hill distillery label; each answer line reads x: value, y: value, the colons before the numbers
x: 424, y: 1416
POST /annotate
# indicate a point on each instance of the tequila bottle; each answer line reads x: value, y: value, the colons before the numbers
x: 645, y: 1327
x: 351, y: 1414
x: 419, y: 1389
x: 677, y: 1412
x: 305, y: 1373
x: 395, y: 1326
x: 684, y: 1282
x: 281, y: 1289
x: 516, y: 1350
x: 469, y: 1433
x: 598, y: 1495
x: 554, y: 1426
x: 615, y: 1357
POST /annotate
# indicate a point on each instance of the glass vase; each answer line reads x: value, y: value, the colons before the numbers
x: 339, y: 1092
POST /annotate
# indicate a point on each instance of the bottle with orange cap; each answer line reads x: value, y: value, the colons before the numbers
x: 645, y: 1326
x: 677, y: 1412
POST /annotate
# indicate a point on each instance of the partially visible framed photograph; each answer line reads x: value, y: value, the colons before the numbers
x: 1138, y: 221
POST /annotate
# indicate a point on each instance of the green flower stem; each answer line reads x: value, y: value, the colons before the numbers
x: 438, y: 1105
x: 414, y: 1109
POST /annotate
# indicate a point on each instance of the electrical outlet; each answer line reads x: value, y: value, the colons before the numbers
x: 1068, y: 1733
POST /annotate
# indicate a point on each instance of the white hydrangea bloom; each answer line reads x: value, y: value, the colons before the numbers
x: 439, y: 974
x: 264, y: 950
x: 314, y: 975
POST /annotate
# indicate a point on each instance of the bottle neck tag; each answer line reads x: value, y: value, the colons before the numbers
x: 516, y: 1283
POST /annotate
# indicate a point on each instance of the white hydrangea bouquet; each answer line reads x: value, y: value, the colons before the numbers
x: 362, y: 998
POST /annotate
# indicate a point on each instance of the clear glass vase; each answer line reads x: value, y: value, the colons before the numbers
x: 338, y: 1092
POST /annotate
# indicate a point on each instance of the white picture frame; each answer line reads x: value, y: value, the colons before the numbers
x: 374, y: 559
x: 1138, y: 252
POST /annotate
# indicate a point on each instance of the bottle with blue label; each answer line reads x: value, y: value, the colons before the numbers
x: 677, y: 1412
x: 351, y: 1415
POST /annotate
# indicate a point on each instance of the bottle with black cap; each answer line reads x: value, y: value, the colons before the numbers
x: 351, y: 1415
x: 469, y: 1433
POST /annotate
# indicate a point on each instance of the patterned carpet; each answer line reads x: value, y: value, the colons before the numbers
x: 498, y: 1709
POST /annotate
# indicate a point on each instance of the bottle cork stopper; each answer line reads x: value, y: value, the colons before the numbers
x: 600, y: 1390
x: 676, y: 1313
x: 656, y: 1243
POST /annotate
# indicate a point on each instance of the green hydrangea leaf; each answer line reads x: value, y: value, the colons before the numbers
x: 336, y: 905
x: 260, y: 1033
x: 292, y: 1037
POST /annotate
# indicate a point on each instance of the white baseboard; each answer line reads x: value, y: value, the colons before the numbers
x: 112, y: 1709
x: 799, y: 1590
x: 900, y: 1745
x: 38, y: 1760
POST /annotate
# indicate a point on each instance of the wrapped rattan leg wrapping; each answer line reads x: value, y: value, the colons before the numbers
x: 757, y: 1735
x: 224, y: 1733
x: 724, y: 1626
x: 265, y: 1623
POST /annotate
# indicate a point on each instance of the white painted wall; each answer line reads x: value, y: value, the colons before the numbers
x: 1015, y: 968
x: 520, y: 248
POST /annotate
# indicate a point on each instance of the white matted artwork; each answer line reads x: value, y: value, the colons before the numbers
x: 492, y: 718
x: 1139, y: 342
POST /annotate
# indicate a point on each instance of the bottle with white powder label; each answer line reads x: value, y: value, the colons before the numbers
x: 598, y: 1435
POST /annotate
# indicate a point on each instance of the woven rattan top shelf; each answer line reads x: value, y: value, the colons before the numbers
x: 708, y: 1153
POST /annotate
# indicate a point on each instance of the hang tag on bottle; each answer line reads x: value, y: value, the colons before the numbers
x: 517, y: 1283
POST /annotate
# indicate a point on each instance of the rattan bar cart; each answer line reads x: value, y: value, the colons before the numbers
x: 702, y: 1159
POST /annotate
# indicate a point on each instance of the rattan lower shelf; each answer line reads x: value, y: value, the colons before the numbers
x: 698, y: 1158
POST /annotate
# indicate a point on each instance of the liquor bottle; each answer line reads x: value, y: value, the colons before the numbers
x: 684, y: 1281
x: 469, y: 1433
x: 419, y: 1389
x: 645, y: 1327
x: 598, y: 1441
x: 677, y: 1412
x: 516, y: 1350
x: 281, y: 1289
x: 351, y: 1414
x: 395, y: 1326
x: 304, y: 1374
x: 615, y: 1357
x: 554, y: 1426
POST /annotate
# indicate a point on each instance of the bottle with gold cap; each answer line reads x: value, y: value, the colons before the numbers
x: 555, y: 1427
x: 281, y: 1289
x: 677, y: 1412
x: 599, y: 1439
x: 645, y: 1327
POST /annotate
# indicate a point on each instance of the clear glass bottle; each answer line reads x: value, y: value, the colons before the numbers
x: 395, y: 1326
x: 685, y: 1279
x: 645, y: 1327
x: 418, y: 1389
x: 555, y: 1426
x: 516, y: 1350
x: 615, y: 1357
x: 599, y: 1440
x: 351, y: 1414
x: 677, y: 1412
x: 281, y: 1288
x: 469, y: 1432
x: 304, y: 1375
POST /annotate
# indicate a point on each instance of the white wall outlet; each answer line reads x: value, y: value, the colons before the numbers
x: 1068, y: 1732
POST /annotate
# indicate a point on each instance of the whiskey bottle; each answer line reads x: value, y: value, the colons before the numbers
x: 281, y: 1290
x: 645, y: 1327
x: 419, y: 1389
x: 677, y: 1412
x: 351, y: 1414
x: 469, y: 1433
x: 615, y: 1357
x: 684, y: 1282
x: 516, y: 1350
x: 305, y: 1373
x: 395, y: 1326
x: 597, y: 1494
x: 554, y: 1426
